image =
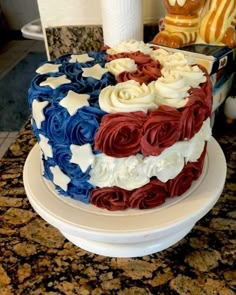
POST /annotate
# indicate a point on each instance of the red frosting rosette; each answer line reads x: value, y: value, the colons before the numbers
x: 149, y: 196
x: 182, y: 182
x: 147, y: 69
x: 119, y: 134
x: 146, y: 73
x: 161, y: 130
x: 197, y: 109
x: 110, y: 198
x: 125, y: 134
x: 207, y: 90
x: 137, y: 56
x: 198, y: 165
x: 152, y: 68
x: 137, y: 76
x: 193, y: 115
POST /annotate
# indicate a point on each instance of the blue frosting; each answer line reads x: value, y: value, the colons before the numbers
x: 54, y: 125
x: 38, y: 92
x: 61, y: 128
x: 79, y: 187
x: 62, y: 59
x: 73, y: 70
x: 83, y: 126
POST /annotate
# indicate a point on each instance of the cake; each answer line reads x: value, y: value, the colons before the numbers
x: 125, y: 127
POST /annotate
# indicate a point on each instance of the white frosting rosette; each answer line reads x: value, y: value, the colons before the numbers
x: 172, y: 59
x: 127, y: 97
x: 160, y: 54
x: 176, y: 59
x: 126, y: 173
x: 164, y: 167
x: 170, y: 90
x: 197, y: 142
x: 193, y: 75
x: 120, y: 65
x: 102, y: 170
x: 130, y: 46
x: 130, y: 174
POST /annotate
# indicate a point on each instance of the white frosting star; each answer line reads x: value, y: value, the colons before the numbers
x: 37, y: 110
x: 80, y: 58
x: 54, y: 82
x: 41, y: 162
x: 74, y: 101
x: 82, y: 155
x: 95, y: 72
x: 45, y: 146
x: 48, y: 68
x: 59, y: 178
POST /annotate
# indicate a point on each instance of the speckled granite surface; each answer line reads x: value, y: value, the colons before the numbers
x: 36, y: 259
x: 74, y: 39
x: 77, y: 39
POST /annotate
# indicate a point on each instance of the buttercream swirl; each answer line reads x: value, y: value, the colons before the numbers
x: 120, y: 65
x: 134, y: 171
x: 36, y: 90
x: 137, y: 76
x: 160, y: 55
x: 111, y: 198
x: 55, y: 124
x: 138, y: 57
x: 127, y: 96
x: 78, y: 190
x: 170, y: 60
x: 152, y: 68
x: 194, y: 113
x: 145, y: 73
x: 120, y: 134
x: 130, y: 168
x: 182, y: 182
x: 130, y: 46
x: 170, y: 90
x: 101, y: 174
x: 62, y: 157
x: 73, y: 70
x: 149, y: 196
x: 61, y: 91
x: 192, y: 75
x: 173, y: 161
x: 161, y: 130
x: 82, y: 127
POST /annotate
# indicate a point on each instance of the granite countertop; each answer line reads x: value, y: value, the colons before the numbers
x: 36, y: 259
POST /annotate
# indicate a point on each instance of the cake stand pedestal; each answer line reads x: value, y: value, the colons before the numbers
x: 129, y: 233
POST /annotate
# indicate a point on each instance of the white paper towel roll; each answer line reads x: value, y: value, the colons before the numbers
x: 122, y: 20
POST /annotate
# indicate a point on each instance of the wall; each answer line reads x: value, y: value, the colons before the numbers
x: 87, y: 12
x: 66, y: 12
x: 19, y: 12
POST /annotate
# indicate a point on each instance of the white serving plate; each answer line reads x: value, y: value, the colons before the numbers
x: 129, y: 233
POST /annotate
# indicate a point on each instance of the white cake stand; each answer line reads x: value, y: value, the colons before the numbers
x: 129, y: 233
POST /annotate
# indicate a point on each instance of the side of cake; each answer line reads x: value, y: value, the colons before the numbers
x: 126, y: 127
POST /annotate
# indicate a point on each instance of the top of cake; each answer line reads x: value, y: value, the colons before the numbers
x: 113, y: 121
